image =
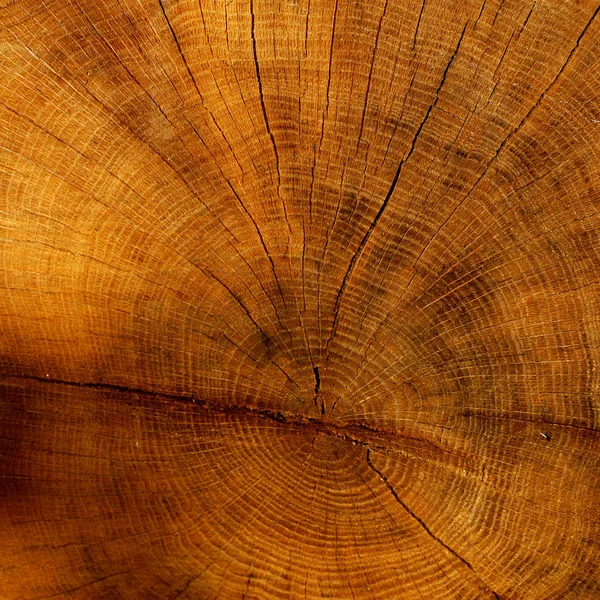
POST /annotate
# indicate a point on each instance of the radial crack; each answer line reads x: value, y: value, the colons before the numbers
x: 185, y: 62
x: 516, y: 130
x: 317, y: 388
x: 423, y: 524
x: 264, y: 110
x: 418, y: 25
x: 370, y: 78
x: 358, y: 433
x: 363, y: 243
x: 262, y: 241
x: 187, y: 585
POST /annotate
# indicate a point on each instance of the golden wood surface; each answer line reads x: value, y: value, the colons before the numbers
x: 299, y: 300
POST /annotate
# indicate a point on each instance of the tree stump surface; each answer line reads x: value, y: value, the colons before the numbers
x: 299, y: 300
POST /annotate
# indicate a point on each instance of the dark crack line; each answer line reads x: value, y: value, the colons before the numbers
x: 345, y: 431
x: 185, y: 62
x: 109, y: 387
x: 326, y: 111
x: 223, y: 135
x: 107, y: 43
x: 512, y: 134
x: 363, y: 243
x: 263, y: 244
x: 498, y: 12
x: 418, y: 25
x: 317, y: 379
x: 132, y: 224
x: 479, y: 15
x: 70, y: 591
x: 264, y: 111
x: 252, y: 219
x: 527, y: 18
x: 424, y: 525
x: 370, y: 78
x: 500, y: 61
x: 133, y: 191
x: 248, y: 582
x: 317, y: 388
x: 339, y: 431
x: 216, y: 406
x: 265, y: 337
x: 542, y: 96
x: 540, y: 422
x: 187, y: 585
x: 412, y: 514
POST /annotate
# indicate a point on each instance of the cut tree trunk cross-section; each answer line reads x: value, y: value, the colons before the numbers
x: 299, y: 300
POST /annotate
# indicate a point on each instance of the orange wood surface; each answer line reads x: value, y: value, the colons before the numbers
x: 299, y: 300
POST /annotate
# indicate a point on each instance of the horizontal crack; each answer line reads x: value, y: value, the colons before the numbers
x: 349, y: 432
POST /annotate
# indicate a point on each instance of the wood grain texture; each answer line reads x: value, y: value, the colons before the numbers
x: 299, y: 300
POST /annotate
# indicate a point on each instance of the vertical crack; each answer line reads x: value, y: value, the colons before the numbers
x: 317, y: 380
x: 418, y: 25
x: 317, y: 388
x: 326, y: 111
x: 370, y: 78
x: 185, y: 62
x: 363, y: 243
x: 264, y: 110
